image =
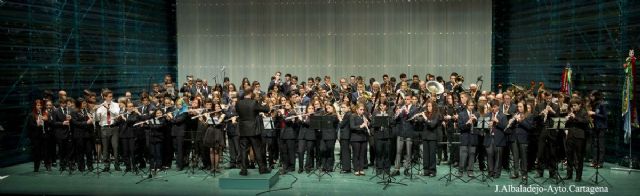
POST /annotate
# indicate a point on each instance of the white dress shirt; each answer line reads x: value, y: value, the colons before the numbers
x: 101, y: 114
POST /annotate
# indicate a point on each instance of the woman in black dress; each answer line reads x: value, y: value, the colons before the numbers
x: 214, y: 136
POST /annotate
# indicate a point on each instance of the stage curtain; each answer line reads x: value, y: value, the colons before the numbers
x: 338, y: 38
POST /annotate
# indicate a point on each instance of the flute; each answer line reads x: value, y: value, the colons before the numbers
x: 200, y: 115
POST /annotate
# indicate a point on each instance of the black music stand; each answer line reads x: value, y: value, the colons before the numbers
x: 558, y: 124
x: 382, y: 122
x: 449, y: 177
x: 483, y: 126
x: 321, y: 123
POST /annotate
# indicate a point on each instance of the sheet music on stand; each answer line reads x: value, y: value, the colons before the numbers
x: 558, y: 122
x: 267, y: 122
x: 483, y: 124
x: 380, y: 121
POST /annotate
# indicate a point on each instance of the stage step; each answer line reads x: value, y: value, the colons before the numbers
x: 231, y: 179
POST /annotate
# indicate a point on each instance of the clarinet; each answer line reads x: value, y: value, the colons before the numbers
x: 40, y: 120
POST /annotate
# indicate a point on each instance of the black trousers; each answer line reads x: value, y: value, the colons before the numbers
x: 598, y: 146
x: 327, y: 157
x: 532, y: 152
x: 39, y: 152
x: 372, y: 149
x: 271, y: 144
x: 429, y: 156
x: 481, y: 152
x: 128, y: 150
x: 156, y: 152
x: 359, y: 153
x: 441, y: 149
x: 141, y: 151
x: 256, y: 143
x: 345, y: 154
x: 547, y: 155
x: 178, y: 144
x: 288, y: 154
x: 383, y: 149
x: 305, y: 147
x: 494, y: 159
x: 234, y: 150
x: 575, y: 156
x: 203, y: 152
x: 65, y: 151
x: 467, y: 158
x: 84, y: 152
x: 520, y: 163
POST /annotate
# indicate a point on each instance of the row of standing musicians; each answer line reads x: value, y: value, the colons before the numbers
x: 155, y: 134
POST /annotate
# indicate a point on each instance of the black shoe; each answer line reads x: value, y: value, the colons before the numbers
x: 395, y: 173
x: 118, y: 168
x: 406, y: 172
x: 432, y: 174
x: 300, y: 170
x: 243, y: 172
x: 569, y: 177
x: 470, y: 174
x: 514, y: 176
x: 106, y: 169
x: 578, y: 179
x: 345, y: 171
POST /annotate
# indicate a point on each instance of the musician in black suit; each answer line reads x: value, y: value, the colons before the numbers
x: 156, y: 128
x: 289, y: 135
x: 495, y: 140
x: 306, y: 140
x: 177, y: 121
x: 62, y: 130
x: 232, y: 131
x: 359, y: 127
x: 145, y: 109
x: 546, y: 151
x: 577, y: 123
x: 405, y: 132
x: 431, y: 121
x: 83, y: 125
x: 345, y: 137
x: 248, y: 110
x: 328, y: 140
x: 518, y: 134
x: 37, y: 130
x: 127, y: 134
x: 467, y: 120
x: 383, y: 136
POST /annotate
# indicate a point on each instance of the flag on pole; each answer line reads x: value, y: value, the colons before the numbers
x: 627, y: 96
x: 565, y: 87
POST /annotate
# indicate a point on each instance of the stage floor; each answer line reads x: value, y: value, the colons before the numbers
x: 20, y: 179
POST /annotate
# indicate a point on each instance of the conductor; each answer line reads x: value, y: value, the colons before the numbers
x: 248, y: 110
